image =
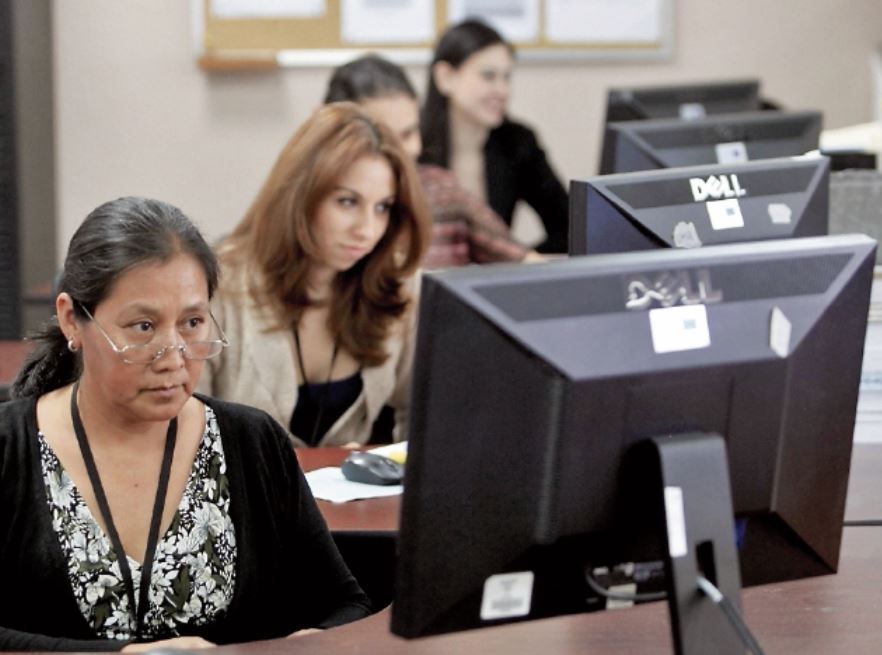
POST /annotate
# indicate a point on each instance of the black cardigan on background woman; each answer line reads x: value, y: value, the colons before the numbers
x: 515, y: 168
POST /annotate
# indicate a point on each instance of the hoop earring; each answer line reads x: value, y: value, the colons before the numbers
x: 71, y: 346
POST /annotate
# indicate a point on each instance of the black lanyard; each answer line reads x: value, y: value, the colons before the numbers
x: 323, y: 397
x: 158, y: 505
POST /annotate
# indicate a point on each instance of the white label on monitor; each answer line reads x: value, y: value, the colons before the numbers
x: 628, y: 589
x: 734, y: 152
x: 507, y: 595
x: 780, y: 330
x: 780, y: 213
x: 679, y: 328
x: 690, y: 111
x: 675, y: 516
x: 686, y: 236
x: 725, y: 214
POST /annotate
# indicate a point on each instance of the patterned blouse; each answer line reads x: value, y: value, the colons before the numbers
x: 464, y: 228
x: 194, y: 566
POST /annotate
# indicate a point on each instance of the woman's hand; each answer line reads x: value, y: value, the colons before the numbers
x: 183, y: 643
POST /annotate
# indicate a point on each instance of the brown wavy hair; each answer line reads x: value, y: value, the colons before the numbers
x: 275, y: 240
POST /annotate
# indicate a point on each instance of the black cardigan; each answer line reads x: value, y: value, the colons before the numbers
x: 284, y: 548
x: 517, y: 169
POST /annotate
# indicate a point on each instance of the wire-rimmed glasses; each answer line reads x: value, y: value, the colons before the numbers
x: 149, y: 352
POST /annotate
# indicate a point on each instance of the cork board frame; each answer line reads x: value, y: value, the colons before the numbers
x: 222, y: 43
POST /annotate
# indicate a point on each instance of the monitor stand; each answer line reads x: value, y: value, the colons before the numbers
x: 698, y: 533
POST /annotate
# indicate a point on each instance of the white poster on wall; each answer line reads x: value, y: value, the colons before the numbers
x: 387, y: 21
x: 268, y: 8
x: 516, y: 20
x: 604, y: 21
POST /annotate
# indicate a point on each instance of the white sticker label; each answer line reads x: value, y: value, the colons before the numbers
x: 725, y: 214
x: 780, y: 329
x: 690, y: 111
x: 734, y: 152
x: 628, y: 589
x: 507, y: 595
x: 675, y: 516
x: 686, y: 236
x: 780, y: 213
x: 679, y: 328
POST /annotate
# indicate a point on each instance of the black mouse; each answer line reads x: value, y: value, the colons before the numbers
x: 371, y: 468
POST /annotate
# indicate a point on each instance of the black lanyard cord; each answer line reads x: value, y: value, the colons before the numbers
x: 323, y: 397
x: 138, y: 610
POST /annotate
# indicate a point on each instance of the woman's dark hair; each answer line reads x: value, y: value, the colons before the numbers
x: 368, y: 77
x: 458, y: 43
x: 114, y: 238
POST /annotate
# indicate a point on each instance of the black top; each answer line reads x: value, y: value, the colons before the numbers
x: 320, y: 404
x: 289, y: 573
x: 517, y: 169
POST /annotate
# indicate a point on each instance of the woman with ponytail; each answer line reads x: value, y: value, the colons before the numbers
x: 133, y: 514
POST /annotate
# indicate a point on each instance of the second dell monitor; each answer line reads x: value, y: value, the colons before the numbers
x: 699, y: 205
x: 725, y: 139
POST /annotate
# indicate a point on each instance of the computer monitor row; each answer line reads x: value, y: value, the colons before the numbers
x: 688, y: 125
x: 715, y: 178
x: 593, y: 412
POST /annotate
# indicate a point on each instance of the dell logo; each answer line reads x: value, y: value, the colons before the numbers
x: 671, y: 288
x: 716, y: 187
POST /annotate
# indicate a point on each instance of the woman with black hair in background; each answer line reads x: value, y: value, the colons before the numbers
x: 465, y: 129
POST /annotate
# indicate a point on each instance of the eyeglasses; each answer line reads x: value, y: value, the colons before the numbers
x: 149, y: 352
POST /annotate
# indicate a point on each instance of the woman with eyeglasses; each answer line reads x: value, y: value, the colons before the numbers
x: 133, y: 514
x: 318, y: 292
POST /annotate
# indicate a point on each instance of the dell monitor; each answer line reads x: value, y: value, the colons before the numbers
x: 534, y: 383
x: 684, y: 101
x: 724, y: 139
x: 699, y: 205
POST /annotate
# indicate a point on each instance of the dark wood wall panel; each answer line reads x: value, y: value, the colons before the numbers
x: 10, y: 293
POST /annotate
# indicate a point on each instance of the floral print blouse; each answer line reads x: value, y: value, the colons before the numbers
x: 194, y: 566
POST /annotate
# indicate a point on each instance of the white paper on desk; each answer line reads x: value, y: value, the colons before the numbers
x: 329, y: 484
x: 387, y: 21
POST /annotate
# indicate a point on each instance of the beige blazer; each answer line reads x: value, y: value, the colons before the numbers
x: 258, y: 368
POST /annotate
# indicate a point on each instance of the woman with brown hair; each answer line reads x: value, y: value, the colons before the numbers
x: 317, y: 294
x: 464, y: 229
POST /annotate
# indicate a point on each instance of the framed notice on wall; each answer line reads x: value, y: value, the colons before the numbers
x: 231, y: 34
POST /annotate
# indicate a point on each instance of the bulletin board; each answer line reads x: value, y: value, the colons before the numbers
x: 256, y: 34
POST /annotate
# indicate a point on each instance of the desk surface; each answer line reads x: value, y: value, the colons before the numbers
x: 827, y: 614
x: 377, y: 515
x: 381, y: 514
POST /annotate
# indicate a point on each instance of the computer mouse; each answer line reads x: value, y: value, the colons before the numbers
x: 371, y: 468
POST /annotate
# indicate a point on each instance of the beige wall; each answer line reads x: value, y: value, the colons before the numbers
x: 134, y: 115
